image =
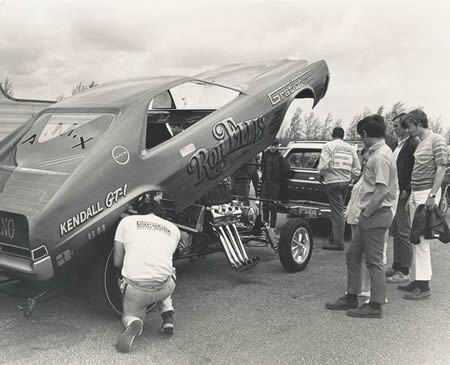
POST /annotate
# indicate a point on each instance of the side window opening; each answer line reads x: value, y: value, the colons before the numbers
x: 307, y: 159
x: 175, y: 110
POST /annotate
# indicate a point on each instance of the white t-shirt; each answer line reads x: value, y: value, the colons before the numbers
x: 149, y: 243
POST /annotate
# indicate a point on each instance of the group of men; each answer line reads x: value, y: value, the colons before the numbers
x: 391, y: 186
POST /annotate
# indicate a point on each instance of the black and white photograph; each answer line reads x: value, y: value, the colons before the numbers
x: 224, y: 182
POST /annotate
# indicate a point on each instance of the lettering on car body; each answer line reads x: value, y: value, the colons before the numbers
x: 286, y: 90
x: 94, y: 209
x: 232, y: 136
x: 7, y: 228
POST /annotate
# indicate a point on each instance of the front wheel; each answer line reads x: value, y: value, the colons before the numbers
x: 296, y: 245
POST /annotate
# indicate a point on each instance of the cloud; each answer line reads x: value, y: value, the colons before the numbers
x: 378, y: 52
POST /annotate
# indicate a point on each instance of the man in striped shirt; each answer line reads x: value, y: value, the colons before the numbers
x: 428, y: 173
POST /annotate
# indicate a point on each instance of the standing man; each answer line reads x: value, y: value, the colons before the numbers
x: 273, y: 173
x: 378, y: 193
x: 401, y: 225
x: 143, y: 248
x: 338, y: 163
x: 428, y: 173
x: 240, y: 180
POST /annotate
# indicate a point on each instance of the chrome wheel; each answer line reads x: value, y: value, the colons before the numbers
x: 300, y: 245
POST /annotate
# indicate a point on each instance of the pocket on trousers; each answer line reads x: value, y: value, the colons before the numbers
x: 382, y: 218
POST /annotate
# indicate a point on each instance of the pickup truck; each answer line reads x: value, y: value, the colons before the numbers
x: 303, y: 183
x: 303, y: 179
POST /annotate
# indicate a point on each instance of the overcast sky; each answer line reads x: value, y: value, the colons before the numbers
x: 379, y: 52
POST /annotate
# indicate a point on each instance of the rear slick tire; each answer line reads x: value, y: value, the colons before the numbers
x: 296, y: 245
x: 103, y: 292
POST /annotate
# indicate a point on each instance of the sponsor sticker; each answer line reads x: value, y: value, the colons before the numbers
x: 120, y: 155
x: 92, y: 210
x: 286, y: 90
x: 187, y: 150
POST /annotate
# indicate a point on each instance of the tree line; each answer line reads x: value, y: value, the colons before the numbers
x: 307, y: 126
x: 303, y: 126
x: 8, y: 87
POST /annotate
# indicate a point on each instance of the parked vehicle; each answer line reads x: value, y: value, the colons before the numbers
x: 68, y: 174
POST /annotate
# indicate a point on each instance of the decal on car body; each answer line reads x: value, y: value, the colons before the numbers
x: 286, y: 90
x: 232, y: 136
x: 120, y: 155
x: 94, y: 209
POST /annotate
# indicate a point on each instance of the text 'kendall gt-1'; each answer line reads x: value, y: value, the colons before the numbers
x: 71, y: 171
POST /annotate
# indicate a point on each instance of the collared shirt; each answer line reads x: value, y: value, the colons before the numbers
x: 430, y: 153
x: 380, y: 169
x: 399, y: 147
x: 338, y: 162
x: 149, y: 242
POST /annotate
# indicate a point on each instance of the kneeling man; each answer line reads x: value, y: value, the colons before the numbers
x: 143, y: 248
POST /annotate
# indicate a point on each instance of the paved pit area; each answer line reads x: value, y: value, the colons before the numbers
x: 262, y: 316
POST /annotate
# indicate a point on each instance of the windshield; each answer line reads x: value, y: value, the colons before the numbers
x: 54, y: 139
x: 58, y: 125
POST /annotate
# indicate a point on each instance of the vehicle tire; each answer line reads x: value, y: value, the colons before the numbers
x: 296, y: 245
x: 103, y: 293
x: 103, y: 288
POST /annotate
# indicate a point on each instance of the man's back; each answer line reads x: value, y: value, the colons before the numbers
x: 149, y: 242
x: 338, y: 162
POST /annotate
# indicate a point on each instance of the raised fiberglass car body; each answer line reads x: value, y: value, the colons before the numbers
x: 68, y: 174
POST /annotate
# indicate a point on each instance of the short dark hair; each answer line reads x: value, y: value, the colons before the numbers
x: 338, y: 132
x: 399, y: 116
x: 146, y: 204
x: 373, y: 125
x: 416, y: 117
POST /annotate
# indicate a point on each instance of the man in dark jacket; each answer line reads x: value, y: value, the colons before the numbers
x: 240, y: 180
x: 274, y: 169
x: 401, y: 225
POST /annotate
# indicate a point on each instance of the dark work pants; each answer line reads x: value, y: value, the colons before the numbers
x: 270, y: 190
x: 336, y: 193
x: 372, y: 233
x: 401, y: 227
x: 241, y: 187
x: 270, y: 214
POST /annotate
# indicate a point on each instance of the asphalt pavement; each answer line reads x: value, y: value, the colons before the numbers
x: 262, y: 316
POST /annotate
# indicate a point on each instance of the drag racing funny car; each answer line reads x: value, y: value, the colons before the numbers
x: 69, y: 173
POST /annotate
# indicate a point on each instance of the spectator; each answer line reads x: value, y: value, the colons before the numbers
x: 338, y: 164
x: 274, y: 169
x: 401, y: 225
x: 427, y: 175
x: 240, y: 180
x: 143, y: 248
x: 378, y: 193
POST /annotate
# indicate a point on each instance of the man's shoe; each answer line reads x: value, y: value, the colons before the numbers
x: 167, y: 323
x: 344, y: 303
x: 333, y: 247
x: 365, y: 311
x: 389, y: 272
x: 408, y: 287
x: 397, y: 278
x: 126, y: 338
x: 417, y: 294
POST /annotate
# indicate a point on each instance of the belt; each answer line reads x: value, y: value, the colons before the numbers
x: 148, y: 285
